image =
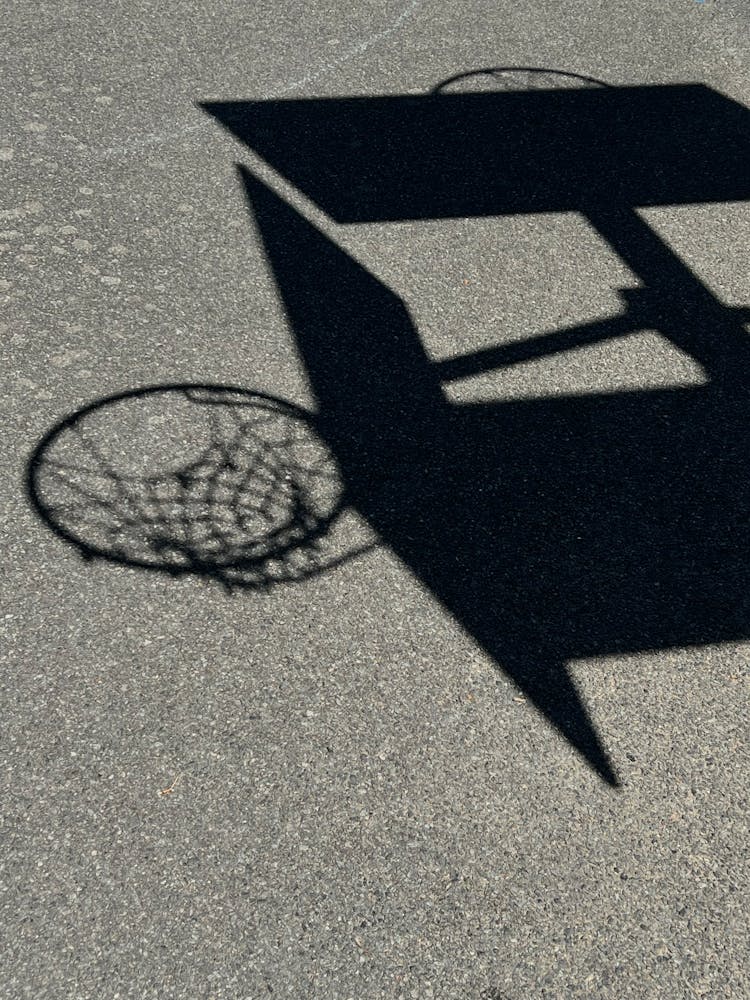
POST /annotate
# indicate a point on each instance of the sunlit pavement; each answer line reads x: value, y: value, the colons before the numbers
x: 303, y: 695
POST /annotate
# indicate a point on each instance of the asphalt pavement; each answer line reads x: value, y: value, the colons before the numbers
x: 375, y: 617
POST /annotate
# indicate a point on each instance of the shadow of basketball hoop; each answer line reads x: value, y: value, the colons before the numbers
x: 494, y: 78
x: 203, y: 480
x: 551, y: 529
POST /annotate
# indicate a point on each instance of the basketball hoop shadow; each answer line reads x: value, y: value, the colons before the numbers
x: 194, y: 480
x: 551, y: 529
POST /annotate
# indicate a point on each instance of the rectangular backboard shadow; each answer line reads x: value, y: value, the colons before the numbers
x: 369, y: 159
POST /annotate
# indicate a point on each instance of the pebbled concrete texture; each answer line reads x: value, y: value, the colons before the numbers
x: 328, y: 789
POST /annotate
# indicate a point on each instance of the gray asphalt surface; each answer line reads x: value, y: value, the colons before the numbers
x: 328, y: 789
